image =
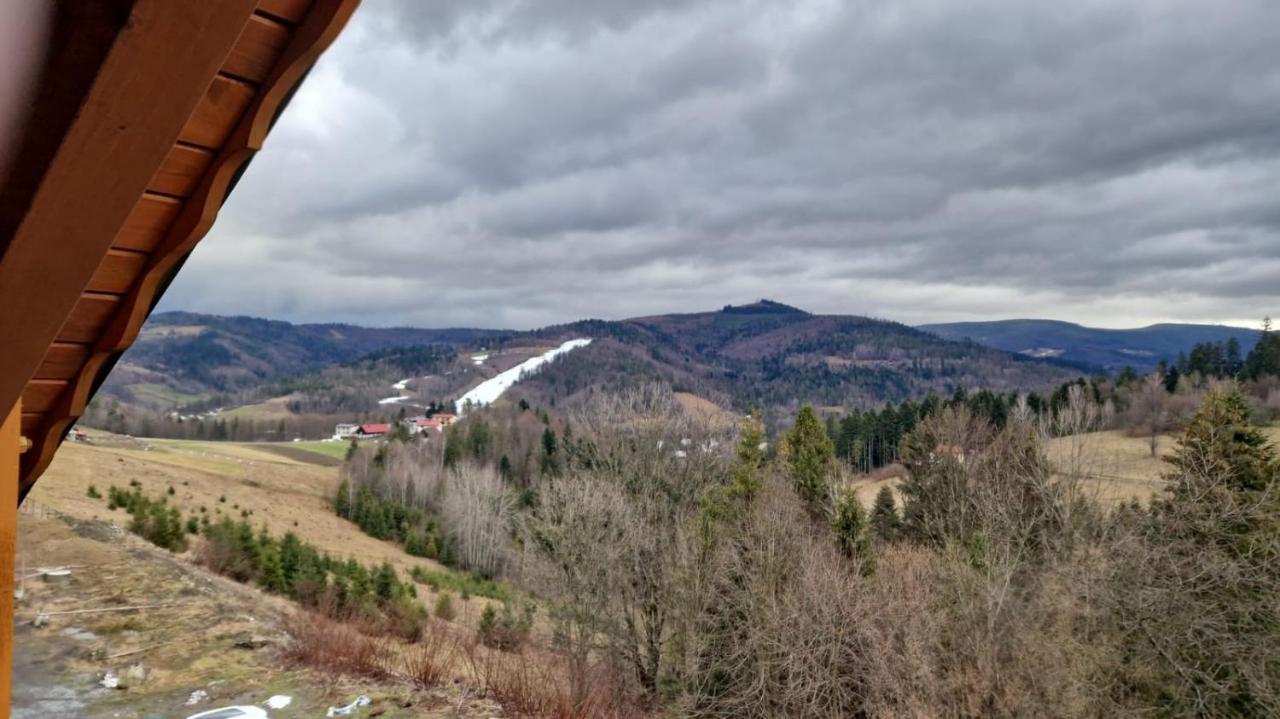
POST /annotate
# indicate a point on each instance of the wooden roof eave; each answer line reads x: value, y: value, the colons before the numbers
x: 312, y: 34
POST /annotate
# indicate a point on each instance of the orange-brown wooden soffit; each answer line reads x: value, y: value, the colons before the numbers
x: 183, y: 99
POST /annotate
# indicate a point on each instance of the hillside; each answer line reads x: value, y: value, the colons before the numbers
x: 764, y: 354
x: 772, y: 355
x: 1090, y: 347
x: 201, y: 633
x: 182, y: 358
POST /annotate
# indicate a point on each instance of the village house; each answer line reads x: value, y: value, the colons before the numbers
x: 345, y: 431
x: 372, y: 429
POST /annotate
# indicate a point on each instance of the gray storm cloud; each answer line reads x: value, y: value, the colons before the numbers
x: 524, y: 162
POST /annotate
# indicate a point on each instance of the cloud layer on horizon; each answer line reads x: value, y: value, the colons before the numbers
x: 524, y: 162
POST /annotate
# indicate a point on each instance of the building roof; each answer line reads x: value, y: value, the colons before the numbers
x: 146, y: 114
x: 375, y: 428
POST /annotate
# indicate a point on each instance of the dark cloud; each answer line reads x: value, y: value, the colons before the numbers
x: 523, y: 162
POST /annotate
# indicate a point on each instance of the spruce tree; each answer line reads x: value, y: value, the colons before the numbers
x: 884, y: 516
x: 1220, y: 444
x: 809, y: 458
x: 744, y: 475
x: 1196, y: 601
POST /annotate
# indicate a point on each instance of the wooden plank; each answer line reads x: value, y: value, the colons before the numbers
x: 118, y: 271
x: 147, y: 224
x: 256, y: 52
x: 88, y: 317
x: 291, y: 10
x: 216, y: 115
x: 31, y: 422
x: 41, y: 394
x: 181, y: 171
x: 9, y: 451
x: 125, y: 121
x: 62, y: 361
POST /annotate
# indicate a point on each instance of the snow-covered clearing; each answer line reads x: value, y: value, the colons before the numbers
x: 400, y: 387
x: 491, y: 389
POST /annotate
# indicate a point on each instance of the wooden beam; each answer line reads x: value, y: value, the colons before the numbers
x: 10, y: 448
x: 156, y: 72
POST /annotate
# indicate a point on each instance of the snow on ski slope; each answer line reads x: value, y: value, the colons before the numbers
x: 400, y: 386
x: 491, y: 389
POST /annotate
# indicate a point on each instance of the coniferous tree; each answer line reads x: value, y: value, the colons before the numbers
x: 744, y: 475
x: 809, y: 458
x: 884, y: 516
x: 1196, y: 604
x: 1264, y: 358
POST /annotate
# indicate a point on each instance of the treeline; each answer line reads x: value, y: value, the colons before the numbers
x: 1223, y: 359
x: 111, y: 416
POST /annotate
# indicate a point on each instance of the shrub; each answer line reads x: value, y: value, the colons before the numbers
x: 93, y: 493
x: 336, y: 648
x: 506, y: 630
x: 444, y: 607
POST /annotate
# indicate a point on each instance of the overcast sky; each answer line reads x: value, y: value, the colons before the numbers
x: 518, y: 163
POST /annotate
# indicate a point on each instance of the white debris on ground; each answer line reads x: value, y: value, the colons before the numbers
x: 360, y: 701
x: 279, y: 701
x: 110, y: 680
x: 491, y: 389
x: 236, y: 712
x: 196, y: 697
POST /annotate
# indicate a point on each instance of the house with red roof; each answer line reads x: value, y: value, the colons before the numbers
x: 372, y: 429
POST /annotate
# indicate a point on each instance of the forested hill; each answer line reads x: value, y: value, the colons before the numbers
x: 771, y: 355
x: 1106, y: 349
x: 182, y: 357
x: 764, y: 354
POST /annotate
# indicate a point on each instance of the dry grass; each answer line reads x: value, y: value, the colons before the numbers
x: 1119, y: 467
x: 337, y: 648
x: 283, y: 494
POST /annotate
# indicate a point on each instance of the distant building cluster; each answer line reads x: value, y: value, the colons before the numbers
x: 416, y: 426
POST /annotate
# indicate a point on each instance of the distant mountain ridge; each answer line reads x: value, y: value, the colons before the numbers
x: 1141, y: 348
x: 182, y: 357
x: 763, y: 354
x: 767, y: 354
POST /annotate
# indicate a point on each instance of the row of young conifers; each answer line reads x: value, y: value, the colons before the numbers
x: 685, y: 565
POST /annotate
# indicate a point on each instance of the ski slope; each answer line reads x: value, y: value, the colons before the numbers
x: 491, y: 389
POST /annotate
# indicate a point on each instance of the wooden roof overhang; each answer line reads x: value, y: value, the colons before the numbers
x: 146, y: 114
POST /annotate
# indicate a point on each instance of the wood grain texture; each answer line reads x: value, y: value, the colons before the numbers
x: 118, y: 271
x: 62, y: 361
x: 216, y: 115
x: 258, y: 49
x: 40, y: 394
x: 291, y: 10
x: 181, y: 171
x: 147, y: 223
x: 88, y: 317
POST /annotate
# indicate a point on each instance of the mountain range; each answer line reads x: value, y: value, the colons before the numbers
x: 764, y: 354
x: 1091, y: 348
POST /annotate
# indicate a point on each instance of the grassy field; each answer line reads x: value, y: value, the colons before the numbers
x: 1114, y: 466
x: 273, y: 409
x: 161, y: 395
x: 336, y: 450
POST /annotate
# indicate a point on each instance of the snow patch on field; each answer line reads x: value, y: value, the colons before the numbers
x: 491, y: 389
